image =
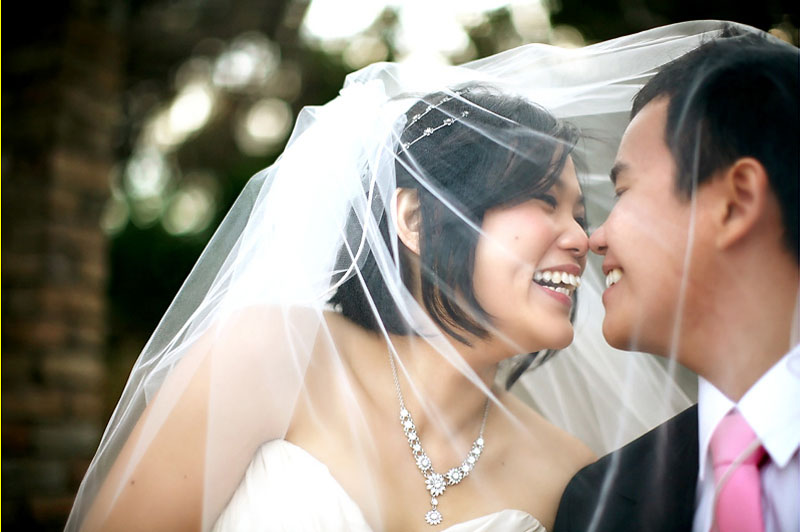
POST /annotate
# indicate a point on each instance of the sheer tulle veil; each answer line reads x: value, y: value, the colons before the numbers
x: 253, y: 310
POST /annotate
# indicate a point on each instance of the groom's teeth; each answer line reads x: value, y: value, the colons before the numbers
x: 613, y: 277
x: 547, y: 276
x: 537, y: 276
x: 556, y: 277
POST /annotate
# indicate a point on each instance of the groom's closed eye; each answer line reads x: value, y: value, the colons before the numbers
x: 616, y: 170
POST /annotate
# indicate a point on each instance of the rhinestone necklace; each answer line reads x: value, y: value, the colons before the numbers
x: 436, y: 483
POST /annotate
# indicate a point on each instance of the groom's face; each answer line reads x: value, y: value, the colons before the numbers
x: 644, y: 240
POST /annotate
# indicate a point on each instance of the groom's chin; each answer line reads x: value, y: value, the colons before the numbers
x: 617, y: 334
x: 628, y: 336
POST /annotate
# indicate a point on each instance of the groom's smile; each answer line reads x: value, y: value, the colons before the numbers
x: 644, y: 240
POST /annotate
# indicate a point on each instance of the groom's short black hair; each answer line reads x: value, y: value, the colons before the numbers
x: 734, y: 96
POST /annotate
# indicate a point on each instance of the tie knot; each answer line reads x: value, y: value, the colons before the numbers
x: 733, y: 437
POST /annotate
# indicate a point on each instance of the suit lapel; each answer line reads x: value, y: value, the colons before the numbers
x: 657, y: 475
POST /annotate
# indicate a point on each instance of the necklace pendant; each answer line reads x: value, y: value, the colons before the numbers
x: 433, y: 517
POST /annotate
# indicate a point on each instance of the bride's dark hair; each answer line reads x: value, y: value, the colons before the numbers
x: 505, y: 150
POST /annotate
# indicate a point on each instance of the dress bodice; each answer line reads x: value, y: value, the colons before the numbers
x: 287, y: 489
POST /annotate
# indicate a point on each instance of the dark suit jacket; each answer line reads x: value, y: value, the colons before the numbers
x: 648, y: 485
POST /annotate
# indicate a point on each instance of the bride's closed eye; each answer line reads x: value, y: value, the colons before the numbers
x: 552, y: 204
x: 549, y: 200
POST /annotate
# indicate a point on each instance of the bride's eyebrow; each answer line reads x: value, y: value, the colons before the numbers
x: 560, y: 187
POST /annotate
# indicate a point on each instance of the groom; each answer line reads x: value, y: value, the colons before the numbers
x: 701, y: 249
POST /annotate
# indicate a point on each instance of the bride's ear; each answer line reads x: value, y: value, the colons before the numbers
x: 407, y: 216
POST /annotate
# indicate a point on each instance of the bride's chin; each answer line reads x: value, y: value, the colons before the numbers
x: 551, y: 343
x: 563, y: 340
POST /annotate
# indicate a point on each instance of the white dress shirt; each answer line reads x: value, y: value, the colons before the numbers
x: 772, y: 408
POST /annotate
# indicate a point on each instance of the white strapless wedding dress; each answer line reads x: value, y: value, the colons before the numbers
x: 286, y: 489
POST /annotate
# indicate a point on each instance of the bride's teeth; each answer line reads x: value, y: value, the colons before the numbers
x: 569, y: 281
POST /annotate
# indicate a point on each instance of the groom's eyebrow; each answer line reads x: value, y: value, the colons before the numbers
x: 616, y: 170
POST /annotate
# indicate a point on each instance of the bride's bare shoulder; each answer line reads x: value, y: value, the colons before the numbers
x: 534, y: 459
x: 344, y: 325
x: 530, y: 424
x: 347, y: 337
x: 272, y: 322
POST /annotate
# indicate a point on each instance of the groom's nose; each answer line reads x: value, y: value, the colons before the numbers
x: 597, y: 242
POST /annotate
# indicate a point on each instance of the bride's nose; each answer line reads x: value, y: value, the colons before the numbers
x: 575, y: 240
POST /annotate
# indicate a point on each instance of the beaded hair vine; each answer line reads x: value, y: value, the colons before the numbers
x: 428, y: 131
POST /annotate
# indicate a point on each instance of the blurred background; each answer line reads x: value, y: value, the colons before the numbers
x: 131, y: 126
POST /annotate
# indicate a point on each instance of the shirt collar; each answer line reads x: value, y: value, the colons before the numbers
x: 771, y: 407
x: 712, y: 405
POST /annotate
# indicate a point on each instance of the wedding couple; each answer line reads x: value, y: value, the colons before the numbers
x: 332, y: 361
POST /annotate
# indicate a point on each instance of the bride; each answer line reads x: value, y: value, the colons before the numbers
x: 332, y: 361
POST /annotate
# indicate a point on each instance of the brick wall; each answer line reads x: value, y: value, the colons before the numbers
x: 61, y: 110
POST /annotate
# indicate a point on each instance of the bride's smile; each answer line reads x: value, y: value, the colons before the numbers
x: 528, y: 263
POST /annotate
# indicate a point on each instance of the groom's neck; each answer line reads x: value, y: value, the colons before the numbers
x: 748, y: 324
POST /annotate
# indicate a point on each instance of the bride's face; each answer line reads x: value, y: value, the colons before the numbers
x: 526, y: 264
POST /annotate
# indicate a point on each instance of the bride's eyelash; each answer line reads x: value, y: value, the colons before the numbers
x: 550, y: 200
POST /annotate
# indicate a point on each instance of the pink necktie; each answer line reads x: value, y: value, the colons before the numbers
x: 738, y: 506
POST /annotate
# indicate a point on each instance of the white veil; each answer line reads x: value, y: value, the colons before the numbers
x: 229, y: 358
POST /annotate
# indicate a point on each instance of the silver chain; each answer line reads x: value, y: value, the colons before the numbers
x: 436, y: 483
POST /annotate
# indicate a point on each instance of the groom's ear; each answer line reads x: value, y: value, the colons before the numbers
x: 743, y: 194
x: 407, y: 216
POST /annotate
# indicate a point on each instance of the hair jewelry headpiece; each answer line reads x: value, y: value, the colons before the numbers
x: 428, y: 131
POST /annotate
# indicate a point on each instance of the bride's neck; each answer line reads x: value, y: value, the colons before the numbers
x: 443, y: 387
